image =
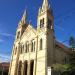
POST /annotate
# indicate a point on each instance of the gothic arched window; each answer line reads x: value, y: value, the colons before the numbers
x: 18, y: 34
x: 42, y: 23
x: 27, y: 47
x: 41, y: 42
x: 21, y: 49
x: 32, y: 46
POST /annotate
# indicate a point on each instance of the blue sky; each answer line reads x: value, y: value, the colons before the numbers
x: 11, y: 12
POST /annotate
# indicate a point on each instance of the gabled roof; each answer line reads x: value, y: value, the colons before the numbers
x: 28, y: 28
x: 5, y: 65
x: 64, y: 47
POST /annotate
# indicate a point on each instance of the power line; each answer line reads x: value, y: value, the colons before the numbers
x: 66, y: 13
x: 64, y: 16
x: 5, y: 57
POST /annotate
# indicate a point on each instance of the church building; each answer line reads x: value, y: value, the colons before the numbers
x: 36, y: 49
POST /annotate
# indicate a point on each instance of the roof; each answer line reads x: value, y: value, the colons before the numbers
x: 5, y: 65
x: 61, y: 45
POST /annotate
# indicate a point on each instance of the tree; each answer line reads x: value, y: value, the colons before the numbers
x: 72, y: 56
x: 60, y: 69
x: 72, y: 47
x: 69, y: 69
x: 72, y: 43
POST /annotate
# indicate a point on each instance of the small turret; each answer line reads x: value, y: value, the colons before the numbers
x: 24, y: 18
x: 45, y: 5
x: 22, y: 25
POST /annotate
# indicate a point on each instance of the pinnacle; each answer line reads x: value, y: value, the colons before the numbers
x: 24, y: 17
x: 45, y: 4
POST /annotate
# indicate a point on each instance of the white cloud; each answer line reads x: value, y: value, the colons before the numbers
x: 4, y: 58
x: 7, y: 34
x: 1, y: 40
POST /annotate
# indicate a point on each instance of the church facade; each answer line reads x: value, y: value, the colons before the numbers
x: 35, y: 49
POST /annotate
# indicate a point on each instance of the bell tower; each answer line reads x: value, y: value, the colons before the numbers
x: 45, y: 27
x: 45, y: 16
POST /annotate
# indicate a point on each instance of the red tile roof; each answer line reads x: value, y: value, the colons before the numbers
x: 5, y: 65
x: 65, y: 48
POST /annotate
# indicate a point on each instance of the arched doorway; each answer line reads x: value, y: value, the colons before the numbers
x: 25, y: 68
x: 20, y: 68
x: 31, y: 67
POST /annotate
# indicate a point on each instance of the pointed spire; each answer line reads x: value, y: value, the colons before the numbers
x: 24, y: 17
x: 45, y: 4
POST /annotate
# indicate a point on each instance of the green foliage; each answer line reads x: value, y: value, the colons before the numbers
x: 60, y: 68
x: 70, y: 68
x: 72, y: 56
x: 63, y: 69
x: 67, y: 69
x: 72, y: 42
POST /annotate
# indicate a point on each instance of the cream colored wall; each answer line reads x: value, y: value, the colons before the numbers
x: 40, y: 67
x: 14, y: 58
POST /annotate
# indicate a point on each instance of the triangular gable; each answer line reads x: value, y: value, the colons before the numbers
x: 28, y: 30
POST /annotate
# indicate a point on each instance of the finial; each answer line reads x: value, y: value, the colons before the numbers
x: 45, y: 4
x: 24, y: 17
